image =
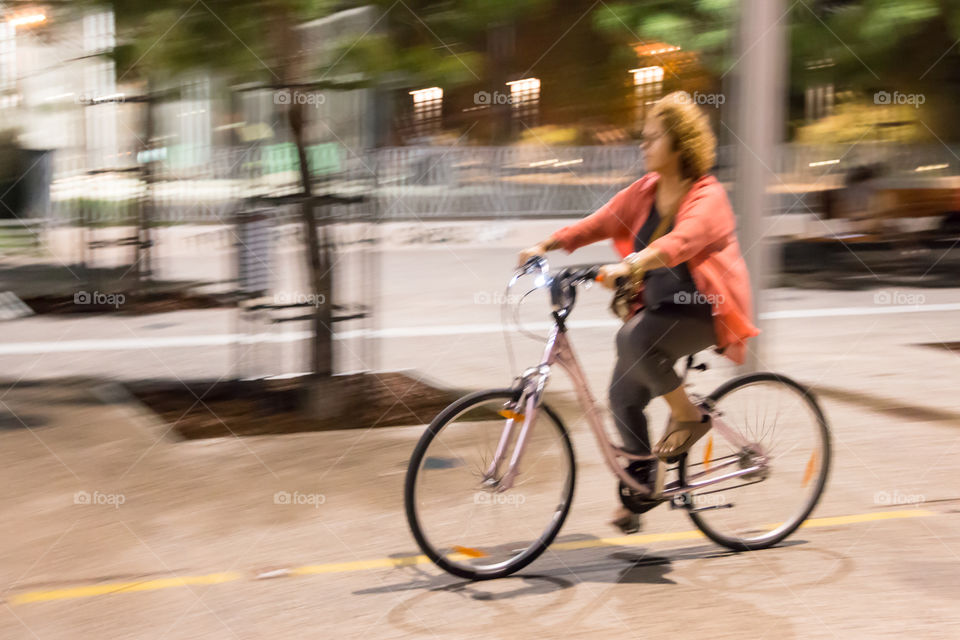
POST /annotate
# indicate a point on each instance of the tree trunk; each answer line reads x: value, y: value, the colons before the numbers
x: 319, y: 261
x: 288, y: 51
x: 322, y: 395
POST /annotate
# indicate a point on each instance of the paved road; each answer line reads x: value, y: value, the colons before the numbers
x: 185, y: 540
x: 180, y: 540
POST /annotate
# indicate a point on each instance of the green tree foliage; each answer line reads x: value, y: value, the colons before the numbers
x: 859, y: 46
x: 871, y: 42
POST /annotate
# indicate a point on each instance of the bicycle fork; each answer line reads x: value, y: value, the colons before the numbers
x: 532, y: 383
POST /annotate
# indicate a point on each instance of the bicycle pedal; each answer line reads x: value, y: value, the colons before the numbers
x: 635, y: 502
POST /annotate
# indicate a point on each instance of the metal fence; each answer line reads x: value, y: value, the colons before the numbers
x: 432, y: 183
x: 500, y: 182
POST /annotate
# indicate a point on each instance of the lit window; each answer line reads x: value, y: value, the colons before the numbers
x: 427, y: 110
x: 525, y: 100
x: 647, y: 88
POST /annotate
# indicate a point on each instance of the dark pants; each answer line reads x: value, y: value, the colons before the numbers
x: 648, y: 345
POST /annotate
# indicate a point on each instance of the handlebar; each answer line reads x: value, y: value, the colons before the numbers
x: 562, y: 286
x: 575, y: 275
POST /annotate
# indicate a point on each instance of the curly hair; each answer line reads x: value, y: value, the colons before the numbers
x: 690, y: 131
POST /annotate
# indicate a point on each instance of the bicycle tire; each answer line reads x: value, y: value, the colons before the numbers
x: 546, y: 538
x: 782, y: 532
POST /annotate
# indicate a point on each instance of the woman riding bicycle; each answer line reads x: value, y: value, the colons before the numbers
x: 677, y: 233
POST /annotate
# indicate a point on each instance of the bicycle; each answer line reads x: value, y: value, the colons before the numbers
x: 473, y: 526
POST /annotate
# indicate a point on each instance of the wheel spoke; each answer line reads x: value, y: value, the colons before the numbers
x: 791, y: 433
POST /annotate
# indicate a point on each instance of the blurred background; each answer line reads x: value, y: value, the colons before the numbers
x: 175, y: 153
x: 277, y: 216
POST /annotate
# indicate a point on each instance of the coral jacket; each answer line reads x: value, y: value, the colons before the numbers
x: 703, y: 236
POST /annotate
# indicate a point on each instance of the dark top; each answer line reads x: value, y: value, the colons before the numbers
x: 666, y: 286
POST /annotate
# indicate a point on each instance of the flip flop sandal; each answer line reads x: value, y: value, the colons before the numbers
x: 695, y: 431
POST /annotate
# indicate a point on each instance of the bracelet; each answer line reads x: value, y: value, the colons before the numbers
x: 636, y: 272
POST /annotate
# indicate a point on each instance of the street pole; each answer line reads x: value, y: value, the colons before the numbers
x: 760, y: 95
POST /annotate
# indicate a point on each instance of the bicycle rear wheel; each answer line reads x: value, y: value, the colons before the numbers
x: 459, y: 516
x: 781, y: 422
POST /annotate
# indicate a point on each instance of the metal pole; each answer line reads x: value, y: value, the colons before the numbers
x: 760, y: 94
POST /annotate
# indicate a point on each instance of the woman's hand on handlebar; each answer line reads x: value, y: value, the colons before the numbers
x: 537, y: 250
x: 610, y: 273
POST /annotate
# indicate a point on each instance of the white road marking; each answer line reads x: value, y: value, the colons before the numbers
x: 876, y: 310
x: 215, y: 340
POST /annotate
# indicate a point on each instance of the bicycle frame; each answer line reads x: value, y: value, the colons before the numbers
x: 560, y: 351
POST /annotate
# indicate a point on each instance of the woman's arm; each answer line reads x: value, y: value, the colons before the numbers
x: 647, y: 259
x: 633, y: 267
x: 612, y: 219
x: 602, y: 224
x: 537, y: 250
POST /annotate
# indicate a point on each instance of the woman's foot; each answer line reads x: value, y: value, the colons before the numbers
x: 681, y: 435
x: 646, y: 472
x: 649, y: 473
x: 625, y: 521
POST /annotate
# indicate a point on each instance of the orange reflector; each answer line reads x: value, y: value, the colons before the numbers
x: 511, y: 415
x: 707, y: 453
x: 471, y: 553
x: 811, y: 464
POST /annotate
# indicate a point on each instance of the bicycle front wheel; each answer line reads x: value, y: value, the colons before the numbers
x: 464, y: 520
x: 774, y: 419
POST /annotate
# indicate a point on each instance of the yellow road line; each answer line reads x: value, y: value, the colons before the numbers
x: 121, y: 587
x: 867, y: 517
x: 635, y: 540
x: 111, y: 588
